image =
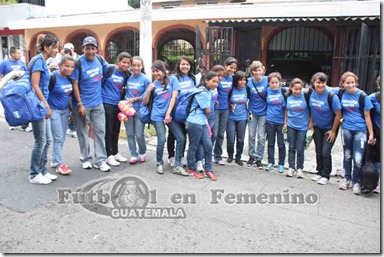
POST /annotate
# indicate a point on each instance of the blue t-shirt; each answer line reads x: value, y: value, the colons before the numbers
x: 7, y: 66
x: 214, y: 97
x: 239, y: 97
x: 198, y: 116
x: 322, y: 115
x: 257, y: 105
x: 112, y: 86
x: 162, y: 98
x: 136, y: 86
x: 275, y: 106
x: 186, y: 83
x: 298, y: 113
x: 90, y: 83
x: 225, y: 85
x: 353, y: 120
x: 59, y: 96
x: 376, y: 105
x: 41, y: 65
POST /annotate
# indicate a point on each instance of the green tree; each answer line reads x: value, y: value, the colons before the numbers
x: 134, y: 3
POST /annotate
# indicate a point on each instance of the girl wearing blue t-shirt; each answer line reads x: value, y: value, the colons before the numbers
x: 326, y: 121
x: 165, y: 90
x: 59, y: 97
x: 222, y: 110
x: 237, y: 122
x: 111, y: 95
x: 198, y: 128
x: 296, y: 120
x: 354, y: 131
x: 187, y: 81
x: 47, y: 46
x: 137, y: 84
x: 275, y: 120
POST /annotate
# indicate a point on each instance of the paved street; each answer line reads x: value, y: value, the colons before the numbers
x: 33, y: 221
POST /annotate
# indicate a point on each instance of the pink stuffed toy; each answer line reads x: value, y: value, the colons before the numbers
x: 127, y: 111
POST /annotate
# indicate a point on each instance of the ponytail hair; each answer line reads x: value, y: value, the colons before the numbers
x: 45, y: 40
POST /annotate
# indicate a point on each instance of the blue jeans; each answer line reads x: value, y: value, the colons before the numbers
x: 236, y: 129
x: 296, y: 141
x: 59, y: 122
x: 135, y: 132
x: 323, y: 152
x: 200, y: 153
x: 273, y: 130
x: 160, y: 134
x: 221, y: 121
x: 198, y: 135
x: 178, y: 133
x: 257, y: 124
x: 354, y: 143
x: 43, y: 138
x: 96, y: 115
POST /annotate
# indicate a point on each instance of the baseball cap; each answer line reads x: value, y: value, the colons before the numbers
x: 69, y: 45
x: 89, y: 41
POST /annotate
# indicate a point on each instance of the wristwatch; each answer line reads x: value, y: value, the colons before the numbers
x: 79, y: 104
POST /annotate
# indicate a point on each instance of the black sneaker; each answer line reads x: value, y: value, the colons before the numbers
x: 259, y: 165
x: 239, y: 162
x: 229, y: 160
x: 250, y: 161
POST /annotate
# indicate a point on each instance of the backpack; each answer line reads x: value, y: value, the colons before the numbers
x: 145, y: 110
x: 21, y: 105
x: 52, y: 82
x: 183, y: 105
x: 369, y: 173
x: 105, y: 75
x: 306, y: 97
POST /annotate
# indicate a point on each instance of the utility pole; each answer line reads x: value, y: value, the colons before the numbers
x: 146, y: 34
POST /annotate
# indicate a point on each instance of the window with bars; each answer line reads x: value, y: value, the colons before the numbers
x: 123, y: 41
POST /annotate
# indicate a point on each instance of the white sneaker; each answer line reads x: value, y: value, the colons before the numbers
x: 111, y: 161
x: 40, y: 179
x: 356, y: 189
x: 171, y: 161
x: 199, y: 166
x: 86, y: 165
x: 53, y: 166
x: 103, y: 167
x: 345, y: 184
x: 183, y: 162
x: 299, y: 173
x: 120, y: 158
x: 28, y: 129
x: 316, y: 178
x: 12, y: 128
x: 159, y: 169
x: 322, y: 181
x: 290, y: 172
x: 50, y: 176
x: 313, y: 171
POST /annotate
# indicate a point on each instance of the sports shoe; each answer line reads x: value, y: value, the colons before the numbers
x: 198, y: 175
x: 111, y: 161
x: 40, y: 179
x: 300, y: 173
x: 28, y: 129
x: 72, y: 133
x: 345, y: 184
x: 259, y: 165
x: 323, y: 181
x: 191, y: 172
x: 86, y: 165
x: 63, y: 169
x: 239, y: 162
x: 53, y: 166
x: 183, y: 162
x: 250, y: 161
x: 103, y: 167
x: 316, y: 178
x: 230, y: 159
x: 120, y: 158
x: 133, y: 160
x: 50, y: 176
x: 171, y: 161
x: 159, y: 169
x: 199, y: 166
x: 211, y: 175
x: 12, y: 128
x: 269, y: 167
x: 221, y: 162
x: 180, y: 171
x: 280, y: 168
x: 356, y: 189
x: 290, y: 172
x: 313, y: 171
x: 376, y: 190
x: 142, y: 158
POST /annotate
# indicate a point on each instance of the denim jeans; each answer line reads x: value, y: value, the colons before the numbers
x: 257, y: 124
x: 273, y: 130
x: 43, y: 138
x: 160, y: 134
x: 96, y: 115
x: 354, y: 143
x: 198, y: 135
x: 200, y: 153
x: 323, y: 150
x: 296, y: 141
x: 71, y: 121
x: 236, y: 129
x: 221, y: 122
x: 59, y: 122
x: 172, y: 139
x: 112, y: 129
x: 135, y: 132
x: 177, y: 131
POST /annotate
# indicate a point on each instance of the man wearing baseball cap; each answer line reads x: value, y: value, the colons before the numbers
x: 86, y: 82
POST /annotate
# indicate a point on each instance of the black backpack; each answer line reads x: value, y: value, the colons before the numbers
x: 369, y: 174
x: 361, y: 101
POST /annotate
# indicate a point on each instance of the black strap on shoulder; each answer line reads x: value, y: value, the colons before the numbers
x: 330, y: 99
x: 258, y: 91
x: 52, y: 82
x: 307, y: 95
x: 377, y: 95
x: 107, y: 75
x: 78, y: 66
x: 362, y: 103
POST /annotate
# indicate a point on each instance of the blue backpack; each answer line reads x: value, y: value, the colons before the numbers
x: 183, y: 105
x: 21, y: 105
x: 145, y: 110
